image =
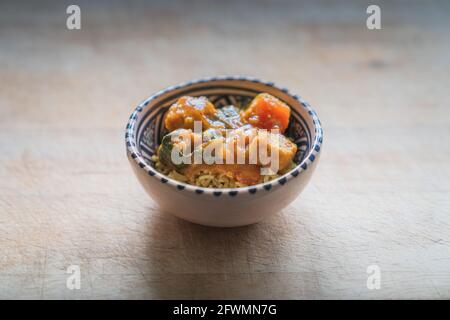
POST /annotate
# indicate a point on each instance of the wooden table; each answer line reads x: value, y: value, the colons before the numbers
x: 380, y: 196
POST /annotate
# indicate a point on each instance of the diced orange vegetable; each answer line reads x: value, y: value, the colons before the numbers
x: 267, y: 112
x: 186, y: 110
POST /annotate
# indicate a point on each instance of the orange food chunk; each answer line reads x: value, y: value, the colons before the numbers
x: 186, y: 110
x: 267, y: 112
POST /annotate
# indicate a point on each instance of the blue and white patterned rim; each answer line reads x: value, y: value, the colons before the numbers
x: 278, y: 182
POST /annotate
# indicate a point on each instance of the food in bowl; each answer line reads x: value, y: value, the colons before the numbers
x: 228, y: 147
x: 222, y: 207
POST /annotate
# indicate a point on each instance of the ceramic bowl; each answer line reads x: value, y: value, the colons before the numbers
x: 222, y: 207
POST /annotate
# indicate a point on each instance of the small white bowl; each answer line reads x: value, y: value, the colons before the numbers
x: 222, y: 207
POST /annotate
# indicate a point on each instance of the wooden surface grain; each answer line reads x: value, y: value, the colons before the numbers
x: 380, y: 196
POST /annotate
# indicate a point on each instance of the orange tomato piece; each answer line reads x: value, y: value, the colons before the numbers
x: 267, y: 112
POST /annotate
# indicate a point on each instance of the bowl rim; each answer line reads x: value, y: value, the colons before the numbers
x: 309, y: 158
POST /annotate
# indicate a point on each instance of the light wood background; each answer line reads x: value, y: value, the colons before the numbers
x: 380, y: 196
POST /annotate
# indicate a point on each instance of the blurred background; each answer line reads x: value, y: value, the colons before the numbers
x: 379, y: 196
